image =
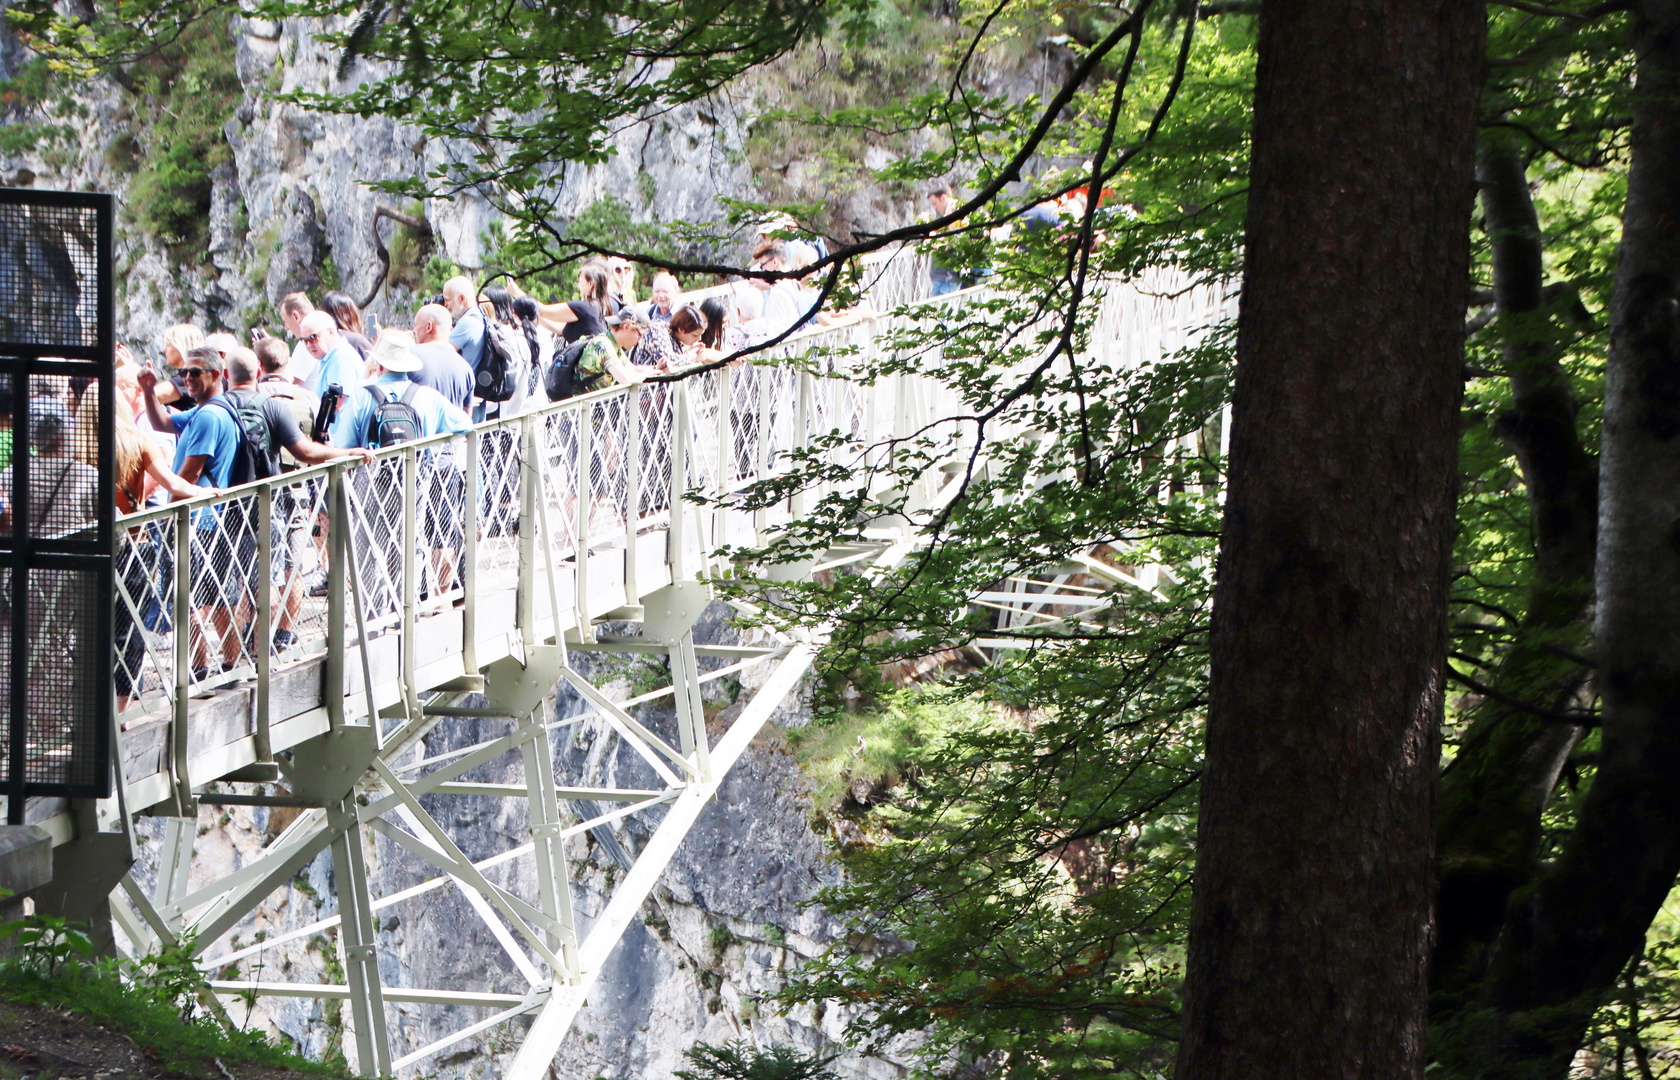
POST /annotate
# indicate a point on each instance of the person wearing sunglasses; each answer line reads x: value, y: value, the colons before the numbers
x: 337, y: 360
x: 208, y: 437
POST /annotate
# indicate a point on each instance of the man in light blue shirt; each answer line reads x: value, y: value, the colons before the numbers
x: 467, y: 335
x: 339, y: 362
x: 439, y: 485
x: 222, y: 562
x: 392, y: 361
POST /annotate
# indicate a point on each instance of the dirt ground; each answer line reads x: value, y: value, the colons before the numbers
x: 44, y: 1044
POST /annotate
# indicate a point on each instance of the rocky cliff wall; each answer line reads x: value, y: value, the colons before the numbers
x: 292, y: 207
x: 289, y: 204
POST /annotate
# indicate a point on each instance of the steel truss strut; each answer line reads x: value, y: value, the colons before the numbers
x: 359, y: 783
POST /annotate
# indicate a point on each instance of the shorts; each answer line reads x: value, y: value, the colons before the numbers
x: 223, y: 568
x: 444, y: 492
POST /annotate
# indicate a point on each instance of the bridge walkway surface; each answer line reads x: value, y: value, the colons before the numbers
x: 456, y: 581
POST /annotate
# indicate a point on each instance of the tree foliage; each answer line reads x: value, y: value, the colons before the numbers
x: 1025, y: 891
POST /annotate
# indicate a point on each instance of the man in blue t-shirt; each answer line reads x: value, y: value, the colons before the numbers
x: 439, y: 486
x: 223, y: 557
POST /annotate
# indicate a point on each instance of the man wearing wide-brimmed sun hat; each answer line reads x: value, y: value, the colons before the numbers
x: 392, y: 359
x: 368, y: 417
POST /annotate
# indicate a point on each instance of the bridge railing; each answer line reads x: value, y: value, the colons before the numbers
x: 327, y: 555
x: 334, y: 555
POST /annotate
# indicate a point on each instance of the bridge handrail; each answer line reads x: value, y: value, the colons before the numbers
x: 612, y: 465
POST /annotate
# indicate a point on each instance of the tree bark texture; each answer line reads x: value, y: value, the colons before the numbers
x: 1493, y: 794
x: 1569, y: 936
x: 1310, y: 925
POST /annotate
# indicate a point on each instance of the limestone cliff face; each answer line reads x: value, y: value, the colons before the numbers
x: 293, y: 209
x: 726, y: 925
x: 295, y: 197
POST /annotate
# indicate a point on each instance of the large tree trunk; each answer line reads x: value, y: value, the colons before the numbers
x: 1310, y: 926
x: 1507, y: 766
x: 1569, y: 937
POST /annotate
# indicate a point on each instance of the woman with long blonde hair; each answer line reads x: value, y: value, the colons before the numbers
x: 139, y: 469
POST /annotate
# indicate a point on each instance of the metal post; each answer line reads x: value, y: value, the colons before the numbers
x: 633, y: 489
x: 725, y: 455
x: 526, y: 592
x: 356, y: 937
x: 179, y: 834
x: 801, y: 422
x: 183, y: 661
x: 469, y: 559
x: 585, y: 503
x: 553, y: 884
x: 263, y: 638
x: 761, y: 453
x: 338, y: 502
x: 410, y: 574
x: 551, y: 569
x: 675, y: 545
x: 691, y: 714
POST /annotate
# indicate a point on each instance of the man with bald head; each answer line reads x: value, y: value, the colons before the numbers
x: 460, y: 296
x: 337, y: 361
x: 441, y: 367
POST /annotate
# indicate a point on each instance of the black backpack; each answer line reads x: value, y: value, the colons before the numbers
x: 561, y: 380
x: 499, y: 367
x: 393, y: 422
x: 253, y: 456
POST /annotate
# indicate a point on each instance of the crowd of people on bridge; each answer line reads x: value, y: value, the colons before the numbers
x: 216, y: 410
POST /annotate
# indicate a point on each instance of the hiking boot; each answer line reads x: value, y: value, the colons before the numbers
x: 283, y: 640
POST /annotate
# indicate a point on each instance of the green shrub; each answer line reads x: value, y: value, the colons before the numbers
x: 33, y: 111
x: 154, y: 1001
x: 188, y: 90
x: 410, y: 251
x: 740, y: 1060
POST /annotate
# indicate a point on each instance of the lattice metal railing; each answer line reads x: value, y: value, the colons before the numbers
x: 265, y: 583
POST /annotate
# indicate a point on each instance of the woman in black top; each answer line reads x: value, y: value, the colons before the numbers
x: 578, y: 320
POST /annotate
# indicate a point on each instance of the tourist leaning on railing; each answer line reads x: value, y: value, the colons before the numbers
x: 144, y: 560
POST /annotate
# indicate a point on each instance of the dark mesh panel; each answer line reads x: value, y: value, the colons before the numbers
x: 66, y: 678
x: 56, y: 495
x: 63, y: 441
x: 48, y: 263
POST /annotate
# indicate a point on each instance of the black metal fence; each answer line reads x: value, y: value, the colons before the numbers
x: 57, y: 456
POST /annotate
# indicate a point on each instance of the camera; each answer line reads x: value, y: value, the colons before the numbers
x: 438, y: 300
x: 328, y: 412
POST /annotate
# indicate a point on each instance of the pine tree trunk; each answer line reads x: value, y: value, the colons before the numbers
x: 1568, y: 939
x: 1310, y: 927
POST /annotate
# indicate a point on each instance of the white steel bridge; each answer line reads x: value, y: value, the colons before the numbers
x: 462, y: 576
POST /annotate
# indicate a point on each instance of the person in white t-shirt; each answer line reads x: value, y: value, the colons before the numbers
x: 294, y: 307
